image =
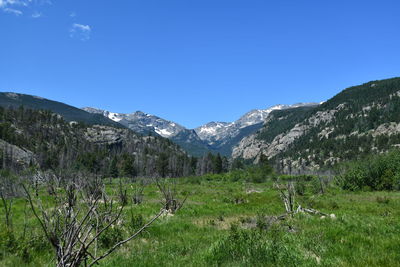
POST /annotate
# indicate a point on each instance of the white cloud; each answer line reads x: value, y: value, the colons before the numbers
x: 16, y: 12
x: 72, y: 14
x: 36, y: 15
x: 80, y: 31
x: 15, y: 6
x: 81, y: 27
x: 7, y: 3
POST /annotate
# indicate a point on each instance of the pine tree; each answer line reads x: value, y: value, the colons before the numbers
x: 162, y: 164
x: 113, y: 170
x: 218, y: 164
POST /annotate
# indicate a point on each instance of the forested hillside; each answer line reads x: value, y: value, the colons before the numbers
x: 358, y: 121
x: 68, y: 112
x: 42, y: 139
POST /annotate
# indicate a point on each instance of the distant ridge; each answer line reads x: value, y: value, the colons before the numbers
x: 69, y: 113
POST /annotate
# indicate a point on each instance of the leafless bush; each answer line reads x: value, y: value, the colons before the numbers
x: 288, y: 194
x: 138, y: 188
x: 75, y: 219
x: 122, y: 193
x: 170, y: 195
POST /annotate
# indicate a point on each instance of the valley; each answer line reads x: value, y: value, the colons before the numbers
x: 199, y: 133
x: 285, y: 186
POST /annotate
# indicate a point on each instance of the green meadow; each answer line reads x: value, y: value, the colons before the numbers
x: 227, y: 223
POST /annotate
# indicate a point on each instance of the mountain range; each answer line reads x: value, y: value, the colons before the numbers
x: 216, y: 137
x: 306, y: 137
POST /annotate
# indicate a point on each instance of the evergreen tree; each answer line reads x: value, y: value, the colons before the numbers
x: 264, y: 165
x: 162, y: 165
x: 217, y: 164
x: 113, y: 170
x: 128, y: 169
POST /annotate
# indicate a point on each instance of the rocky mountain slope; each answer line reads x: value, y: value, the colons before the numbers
x: 214, y: 136
x: 145, y: 124
x: 222, y: 136
x: 358, y: 121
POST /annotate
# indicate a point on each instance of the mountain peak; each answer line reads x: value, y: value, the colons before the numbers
x: 214, y: 134
x: 222, y: 132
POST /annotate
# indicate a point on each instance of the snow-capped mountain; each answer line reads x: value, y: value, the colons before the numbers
x: 217, y: 134
x: 144, y: 123
x: 213, y: 136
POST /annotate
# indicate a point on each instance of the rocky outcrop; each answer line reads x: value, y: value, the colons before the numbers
x: 15, y: 154
x: 105, y: 135
x: 251, y: 147
x: 386, y: 129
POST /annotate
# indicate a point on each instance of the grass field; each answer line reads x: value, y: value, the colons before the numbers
x: 223, y: 223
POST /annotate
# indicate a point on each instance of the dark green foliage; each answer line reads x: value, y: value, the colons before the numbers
x: 300, y: 188
x: 110, y: 237
x: 136, y: 221
x: 237, y: 164
x: 113, y: 171
x: 90, y: 161
x: 162, y: 165
x: 127, y: 165
x: 8, y: 242
x: 218, y: 164
x: 380, y: 172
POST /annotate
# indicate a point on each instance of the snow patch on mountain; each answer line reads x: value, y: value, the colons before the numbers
x: 163, y: 132
x: 214, y: 135
x: 222, y: 132
x: 142, y: 122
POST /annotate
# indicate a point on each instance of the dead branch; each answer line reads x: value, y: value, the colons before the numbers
x: 170, y: 201
x: 75, y: 220
x: 288, y: 194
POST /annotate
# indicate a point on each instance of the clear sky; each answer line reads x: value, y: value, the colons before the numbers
x: 195, y: 61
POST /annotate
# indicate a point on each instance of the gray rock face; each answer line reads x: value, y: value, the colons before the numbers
x: 218, y: 133
x: 386, y: 129
x: 251, y: 147
x: 16, y: 154
x: 105, y: 135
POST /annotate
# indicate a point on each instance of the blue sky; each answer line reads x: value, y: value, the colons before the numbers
x: 195, y: 61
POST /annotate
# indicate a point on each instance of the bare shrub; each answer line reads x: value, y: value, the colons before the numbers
x: 77, y: 218
x: 170, y: 195
x: 138, y: 188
